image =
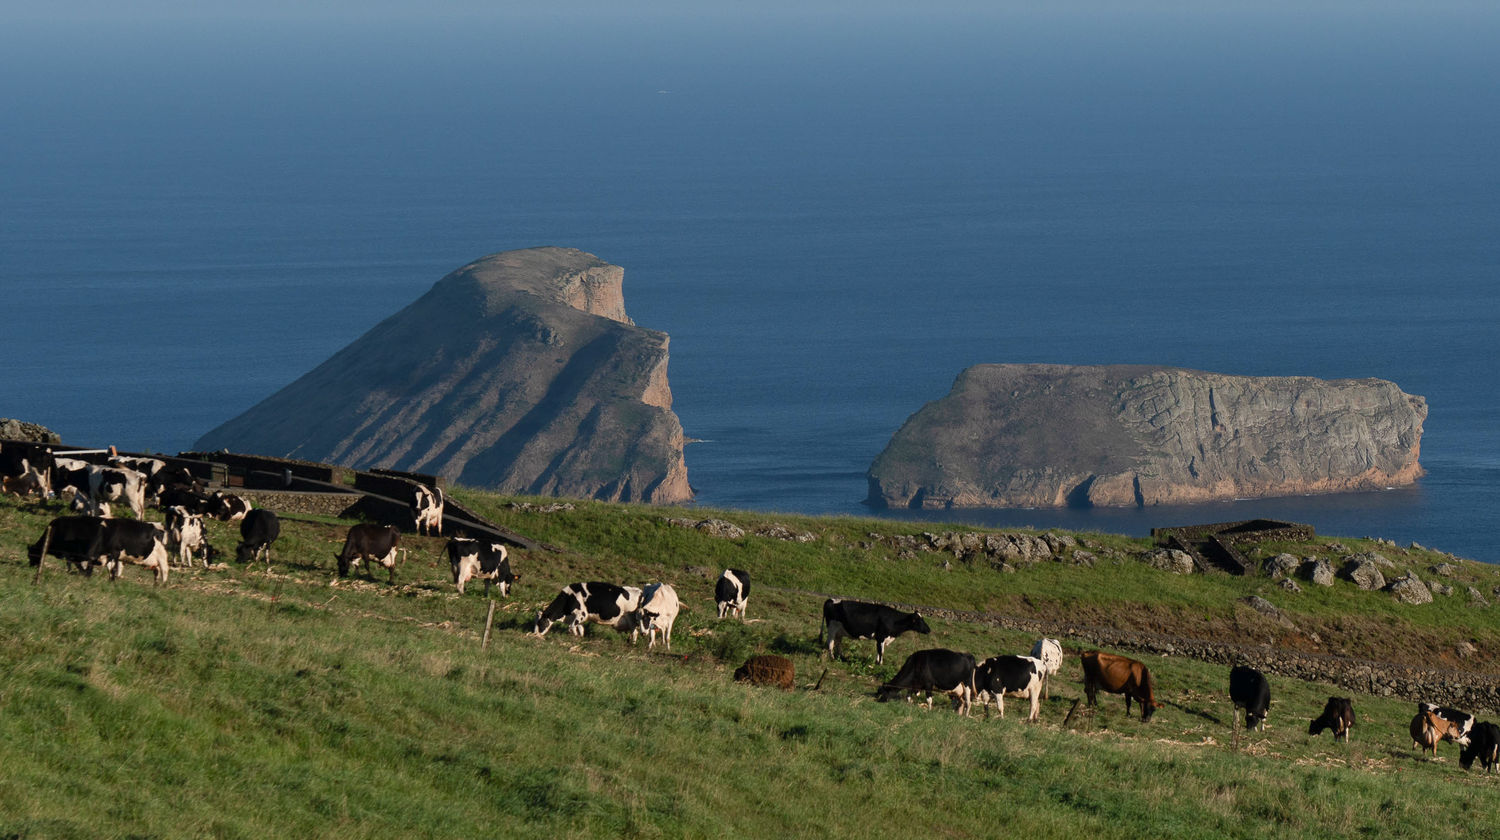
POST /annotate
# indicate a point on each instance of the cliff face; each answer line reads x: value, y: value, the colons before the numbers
x: 1059, y: 435
x: 519, y: 372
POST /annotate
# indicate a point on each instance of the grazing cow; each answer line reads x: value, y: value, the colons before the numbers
x: 169, y: 477
x: 474, y: 560
x: 185, y: 535
x: 1249, y: 690
x: 657, y: 612
x: 427, y: 509
x: 1119, y: 675
x: 859, y: 620
x: 937, y: 669
x: 1018, y: 676
x: 30, y: 481
x: 1427, y: 729
x: 88, y: 541
x: 602, y: 603
x: 1458, y: 723
x: 732, y: 593
x: 227, y: 508
x: 1338, y: 715
x: 1051, y: 653
x: 85, y: 505
x: 1484, y: 744
x: 70, y: 472
x: 258, y: 530
x: 371, y: 543
x: 767, y: 670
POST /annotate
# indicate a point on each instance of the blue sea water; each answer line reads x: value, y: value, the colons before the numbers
x: 831, y: 216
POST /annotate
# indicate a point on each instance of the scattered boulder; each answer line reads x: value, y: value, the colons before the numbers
x: 1172, y: 560
x: 770, y: 670
x: 1282, y: 565
x: 712, y: 527
x: 1060, y: 543
x: 1267, y: 609
x: 1477, y: 599
x: 777, y: 531
x: 1290, y: 585
x: 1363, y: 572
x: 1084, y: 558
x: 1409, y: 589
x: 1465, y: 650
x: 1319, y: 571
x: 1442, y: 589
x: 1445, y: 569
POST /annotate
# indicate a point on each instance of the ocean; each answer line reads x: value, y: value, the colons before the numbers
x: 831, y: 216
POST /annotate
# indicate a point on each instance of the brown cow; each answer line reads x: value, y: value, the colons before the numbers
x: 1429, y: 727
x: 1119, y: 675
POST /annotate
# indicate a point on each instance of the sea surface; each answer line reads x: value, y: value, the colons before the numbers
x: 832, y: 215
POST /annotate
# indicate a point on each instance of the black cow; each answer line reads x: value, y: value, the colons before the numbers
x: 88, y: 541
x: 1459, y: 722
x: 371, y: 543
x: 1020, y: 676
x: 1338, y: 715
x: 732, y: 593
x: 473, y: 560
x: 186, y: 496
x: 604, y: 603
x: 258, y: 530
x: 859, y: 620
x: 1484, y: 744
x: 937, y: 669
x: 1249, y: 690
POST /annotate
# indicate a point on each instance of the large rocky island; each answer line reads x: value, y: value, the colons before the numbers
x: 519, y: 372
x: 1035, y: 435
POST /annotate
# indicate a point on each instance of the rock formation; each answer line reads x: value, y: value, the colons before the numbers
x: 519, y: 373
x: 30, y: 432
x: 1059, y: 435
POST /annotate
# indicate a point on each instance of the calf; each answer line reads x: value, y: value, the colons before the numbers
x: 1249, y: 690
x: 88, y: 541
x: 1119, y: 675
x: 185, y: 535
x: 1050, y: 652
x: 859, y: 620
x: 473, y: 560
x: 1484, y: 744
x: 371, y: 543
x: 938, y: 669
x: 1338, y: 715
x: 30, y: 481
x: 732, y: 593
x: 577, y: 603
x: 1018, y: 676
x: 227, y: 508
x: 258, y: 530
x: 657, y: 612
x: 427, y: 509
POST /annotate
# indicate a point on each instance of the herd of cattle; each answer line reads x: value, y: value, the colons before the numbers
x: 90, y: 536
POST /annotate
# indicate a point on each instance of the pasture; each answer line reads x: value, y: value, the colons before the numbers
x: 235, y: 702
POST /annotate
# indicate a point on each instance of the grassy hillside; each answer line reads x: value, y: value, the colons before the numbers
x: 239, y: 703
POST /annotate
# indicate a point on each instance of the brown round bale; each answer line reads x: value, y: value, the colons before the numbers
x: 767, y: 670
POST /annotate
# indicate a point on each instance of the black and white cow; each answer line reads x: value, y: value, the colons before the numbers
x: 188, y: 497
x: 258, y: 530
x: 185, y: 535
x: 601, y: 603
x: 937, y: 669
x: 1050, y: 652
x: 26, y: 470
x: 474, y: 560
x: 657, y: 612
x: 1018, y: 676
x: 1249, y: 690
x: 1459, y: 723
x: 1484, y: 744
x: 88, y: 541
x: 100, y: 483
x: 860, y: 620
x: 149, y: 468
x: 732, y: 593
x: 371, y: 543
x: 228, y: 508
x: 427, y: 509
x: 1338, y: 715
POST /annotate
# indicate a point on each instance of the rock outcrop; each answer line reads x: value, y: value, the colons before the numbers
x: 519, y: 373
x: 29, y: 432
x: 1059, y: 435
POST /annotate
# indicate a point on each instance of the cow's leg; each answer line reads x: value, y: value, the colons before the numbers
x: 1036, y: 702
x: 880, y: 650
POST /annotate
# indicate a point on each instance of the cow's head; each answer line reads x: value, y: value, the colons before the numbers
x: 918, y: 625
x: 541, y: 625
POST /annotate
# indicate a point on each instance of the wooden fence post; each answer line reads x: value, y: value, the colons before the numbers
x: 42, y: 558
x: 488, y: 620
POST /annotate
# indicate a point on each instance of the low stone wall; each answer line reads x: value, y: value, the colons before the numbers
x: 293, y: 501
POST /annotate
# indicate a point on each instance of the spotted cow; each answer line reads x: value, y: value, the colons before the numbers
x: 579, y: 603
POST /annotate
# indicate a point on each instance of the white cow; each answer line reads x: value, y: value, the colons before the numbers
x: 657, y: 612
x: 1050, y: 652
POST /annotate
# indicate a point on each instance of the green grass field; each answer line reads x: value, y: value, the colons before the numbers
x: 236, y: 702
